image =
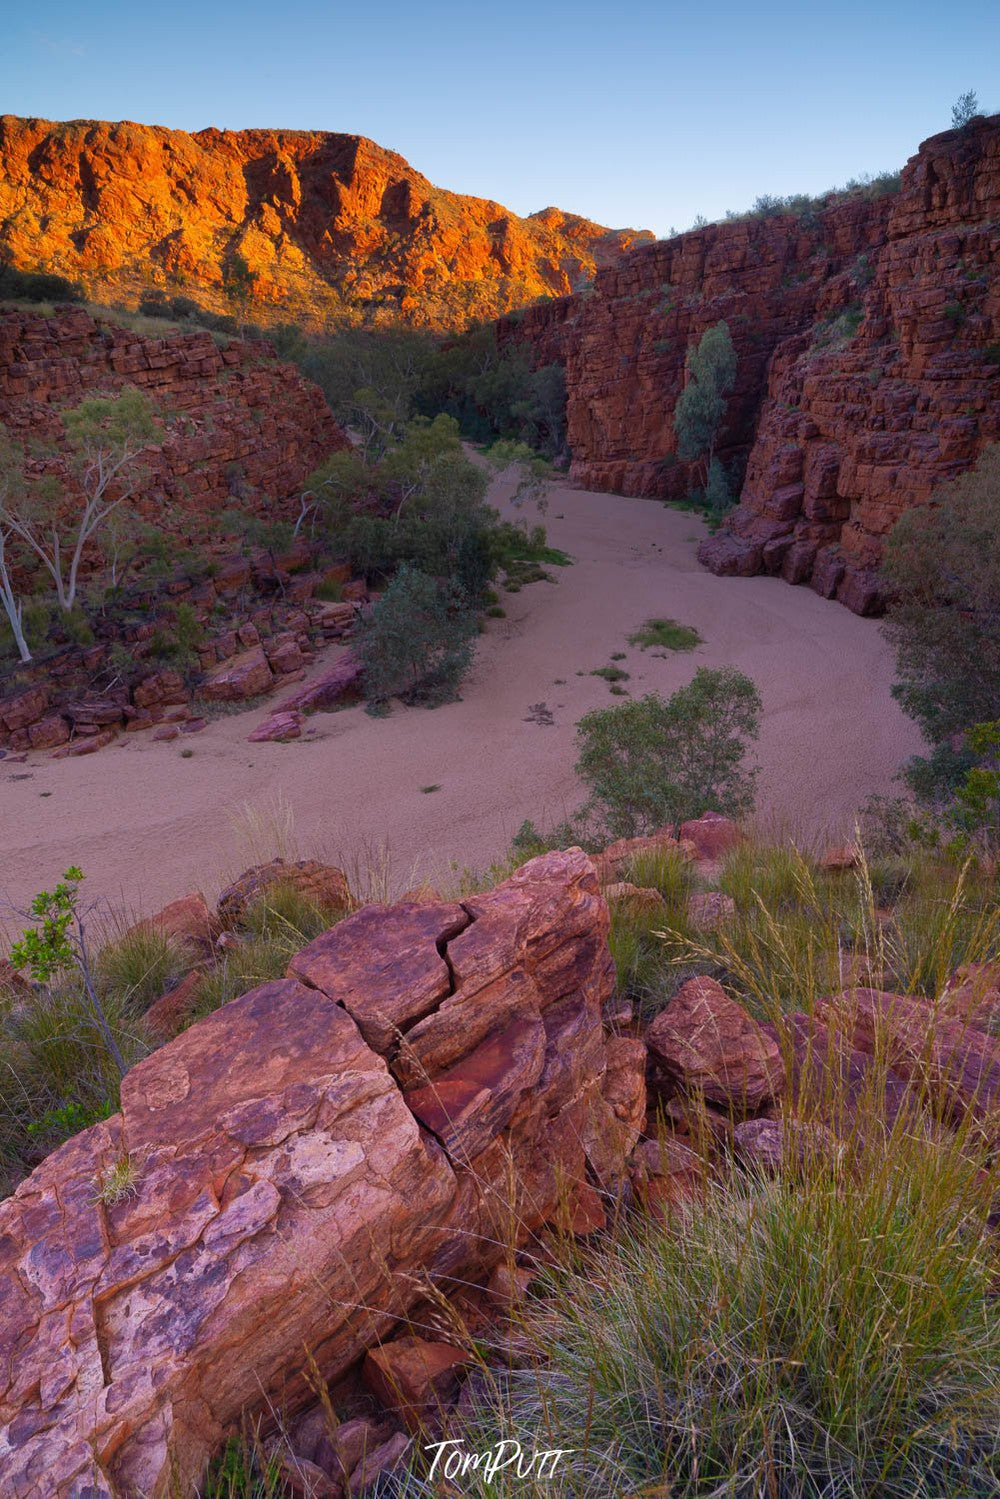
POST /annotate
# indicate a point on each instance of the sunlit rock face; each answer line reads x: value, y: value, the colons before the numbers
x: 868, y: 339
x: 323, y: 221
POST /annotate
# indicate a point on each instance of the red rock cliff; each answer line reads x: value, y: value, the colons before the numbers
x: 239, y: 422
x: 323, y: 220
x: 868, y: 337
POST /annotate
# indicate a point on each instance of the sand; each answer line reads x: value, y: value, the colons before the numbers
x: 147, y: 825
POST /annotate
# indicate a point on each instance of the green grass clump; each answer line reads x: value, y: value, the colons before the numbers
x: 797, y: 926
x: 277, y: 925
x: 646, y: 971
x: 611, y: 673
x: 329, y: 591
x: 56, y: 1073
x: 140, y: 965
x: 667, y: 634
x: 831, y: 1333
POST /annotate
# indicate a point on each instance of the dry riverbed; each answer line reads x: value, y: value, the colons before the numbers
x: 147, y: 824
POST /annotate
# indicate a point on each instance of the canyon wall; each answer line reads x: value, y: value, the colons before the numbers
x: 868, y: 337
x: 325, y: 222
x: 242, y: 428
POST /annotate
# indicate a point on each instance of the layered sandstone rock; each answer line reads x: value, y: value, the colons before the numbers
x: 289, y: 1173
x: 868, y: 338
x: 322, y: 220
x: 238, y: 422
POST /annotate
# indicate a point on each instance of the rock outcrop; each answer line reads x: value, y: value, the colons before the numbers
x: 325, y: 222
x: 430, y: 1084
x: 868, y: 337
x: 239, y: 423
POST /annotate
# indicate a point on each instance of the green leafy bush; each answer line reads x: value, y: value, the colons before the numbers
x: 36, y: 286
x: 417, y: 642
x: 653, y: 761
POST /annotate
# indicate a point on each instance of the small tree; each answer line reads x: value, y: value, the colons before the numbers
x: 238, y: 282
x: 12, y: 489
x: 711, y: 374
x: 105, y: 437
x: 965, y: 109
x: 59, y: 942
x: 652, y: 762
x: 417, y: 642
x: 13, y: 604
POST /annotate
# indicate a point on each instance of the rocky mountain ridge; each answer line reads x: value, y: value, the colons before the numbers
x: 327, y: 223
x: 868, y: 337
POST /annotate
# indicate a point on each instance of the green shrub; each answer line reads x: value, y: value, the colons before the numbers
x: 329, y: 591
x: 701, y: 405
x: 36, y: 286
x: 942, y: 568
x: 652, y: 762
x: 667, y: 634
x: 417, y: 642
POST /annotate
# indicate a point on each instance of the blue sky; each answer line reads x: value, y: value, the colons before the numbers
x: 635, y: 113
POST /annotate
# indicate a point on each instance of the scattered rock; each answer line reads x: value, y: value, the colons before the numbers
x: 711, y: 836
x: 667, y: 1174
x: 340, y: 683
x: 710, y: 909
x: 615, y: 861
x: 509, y: 1285
x: 414, y: 1379
x: 87, y: 746
x: 838, y: 859
x: 384, y: 1459
x: 973, y: 993
x: 280, y: 727
x: 638, y: 897
x: 243, y: 676
x: 48, y: 732
x: 323, y: 885
x: 187, y: 920
x: 788, y: 1146
x: 168, y: 1015
x: 711, y: 1046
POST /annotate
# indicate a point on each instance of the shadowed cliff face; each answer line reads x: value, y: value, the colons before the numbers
x: 322, y: 220
x: 868, y: 337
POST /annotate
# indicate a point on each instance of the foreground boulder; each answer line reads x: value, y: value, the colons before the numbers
x: 323, y: 885
x: 708, y: 1045
x: 955, y: 1064
x: 273, y: 1184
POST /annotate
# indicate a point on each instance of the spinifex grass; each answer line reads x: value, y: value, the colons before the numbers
x: 832, y: 1332
x: 799, y: 931
x: 139, y: 965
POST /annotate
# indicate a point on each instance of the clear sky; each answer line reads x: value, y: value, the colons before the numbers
x: 632, y: 113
